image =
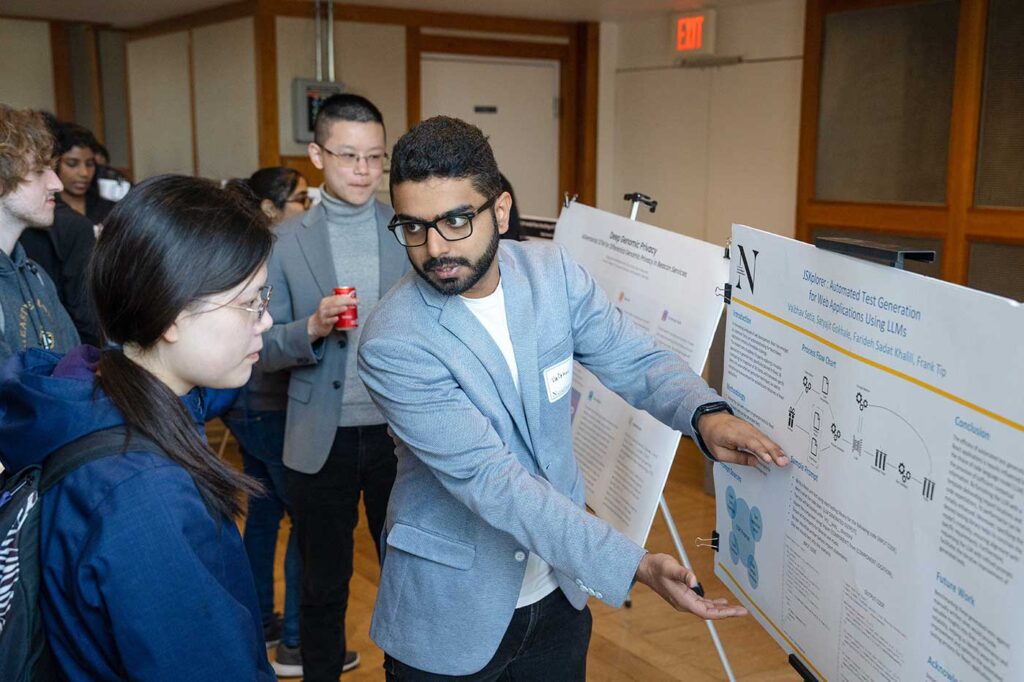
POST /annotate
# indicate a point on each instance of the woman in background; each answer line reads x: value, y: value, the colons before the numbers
x: 76, y: 167
x: 257, y: 421
x: 143, y: 571
x: 283, y: 193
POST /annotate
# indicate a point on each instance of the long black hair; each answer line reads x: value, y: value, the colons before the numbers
x: 275, y: 183
x: 171, y: 241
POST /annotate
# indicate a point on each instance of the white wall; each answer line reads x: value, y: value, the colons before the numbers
x: 716, y: 145
x: 223, y: 91
x: 224, y: 64
x: 753, y: 149
x: 661, y: 145
x: 26, y: 65
x: 160, y: 105
x: 368, y: 58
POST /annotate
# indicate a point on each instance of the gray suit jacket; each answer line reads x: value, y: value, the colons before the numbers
x: 485, y: 475
x: 301, y: 271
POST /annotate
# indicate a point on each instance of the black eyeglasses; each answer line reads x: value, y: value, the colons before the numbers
x: 452, y: 226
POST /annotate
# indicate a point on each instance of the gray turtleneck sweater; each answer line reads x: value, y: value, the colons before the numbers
x: 355, y: 249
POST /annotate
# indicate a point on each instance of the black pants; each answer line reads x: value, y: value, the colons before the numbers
x: 325, y: 513
x: 546, y: 641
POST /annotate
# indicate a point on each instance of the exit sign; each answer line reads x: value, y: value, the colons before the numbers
x: 693, y: 34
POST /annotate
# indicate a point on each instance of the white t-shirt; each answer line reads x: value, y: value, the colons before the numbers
x: 539, y: 580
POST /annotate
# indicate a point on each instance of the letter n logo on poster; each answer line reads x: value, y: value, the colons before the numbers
x: 746, y: 268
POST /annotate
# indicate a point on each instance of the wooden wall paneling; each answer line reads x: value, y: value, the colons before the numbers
x: 292, y: 8
x: 811, y: 91
x: 36, y: 17
x: 413, y: 96
x: 926, y: 221
x: 63, y: 89
x: 590, y: 35
x: 568, y: 118
x: 314, y: 176
x: 958, y: 222
x: 96, y: 85
x: 491, y: 48
x: 963, y: 138
x: 995, y: 224
x: 192, y: 104
x: 265, y: 41
x: 405, y: 17
x: 847, y: 5
x: 214, y: 15
x: 130, y: 170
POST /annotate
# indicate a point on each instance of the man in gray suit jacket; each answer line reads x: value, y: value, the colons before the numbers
x: 490, y: 555
x: 336, y: 442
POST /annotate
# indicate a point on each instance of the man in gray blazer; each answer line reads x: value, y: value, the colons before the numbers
x: 336, y: 442
x: 490, y: 555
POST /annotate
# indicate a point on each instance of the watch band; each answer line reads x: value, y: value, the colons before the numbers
x: 707, y: 408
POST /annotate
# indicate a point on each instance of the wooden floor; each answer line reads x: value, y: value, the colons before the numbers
x: 648, y: 642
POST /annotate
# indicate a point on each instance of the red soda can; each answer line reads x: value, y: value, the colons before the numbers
x: 348, y: 318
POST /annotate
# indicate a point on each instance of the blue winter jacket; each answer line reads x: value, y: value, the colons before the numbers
x: 139, y: 581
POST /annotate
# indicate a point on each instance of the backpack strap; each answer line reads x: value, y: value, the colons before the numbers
x: 96, y: 445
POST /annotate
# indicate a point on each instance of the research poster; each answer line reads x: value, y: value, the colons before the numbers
x: 665, y: 283
x: 891, y: 548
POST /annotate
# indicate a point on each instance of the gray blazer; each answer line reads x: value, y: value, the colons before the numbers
x: 485, y: 475
x: 301, y: 270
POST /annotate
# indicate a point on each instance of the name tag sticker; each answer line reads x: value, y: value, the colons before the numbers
x: 558, y: 379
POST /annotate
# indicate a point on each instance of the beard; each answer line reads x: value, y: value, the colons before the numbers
x: 456, y: 286
x: 35, y: 216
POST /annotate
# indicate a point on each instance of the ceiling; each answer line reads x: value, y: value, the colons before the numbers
x: 131, y: 13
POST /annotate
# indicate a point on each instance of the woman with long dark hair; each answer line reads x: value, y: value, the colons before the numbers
x: 283, y: 192
x: 144, y: 575
x: 76, y: 167
x: 257, y: 421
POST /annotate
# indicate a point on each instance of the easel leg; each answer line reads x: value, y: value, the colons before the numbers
x: 686, y: 562
x: 636, y: 199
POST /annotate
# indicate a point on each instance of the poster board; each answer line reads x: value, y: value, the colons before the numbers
x: 892, y: 548
x: 665, y: 283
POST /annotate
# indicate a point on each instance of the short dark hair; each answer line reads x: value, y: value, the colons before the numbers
x: 445, y: 147
x: 71, y: 135
x: 344, y: 107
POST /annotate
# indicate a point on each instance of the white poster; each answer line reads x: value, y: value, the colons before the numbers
x: 892, y: 548
x: 666, y: 283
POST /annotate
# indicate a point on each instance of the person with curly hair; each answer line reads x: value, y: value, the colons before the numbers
x: 64, y: 246
x: 31, y: 314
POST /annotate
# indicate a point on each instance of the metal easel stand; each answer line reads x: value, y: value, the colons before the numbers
x: 637, y: 199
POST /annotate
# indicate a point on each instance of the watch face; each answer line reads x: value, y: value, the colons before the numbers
x: 709, y: 408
